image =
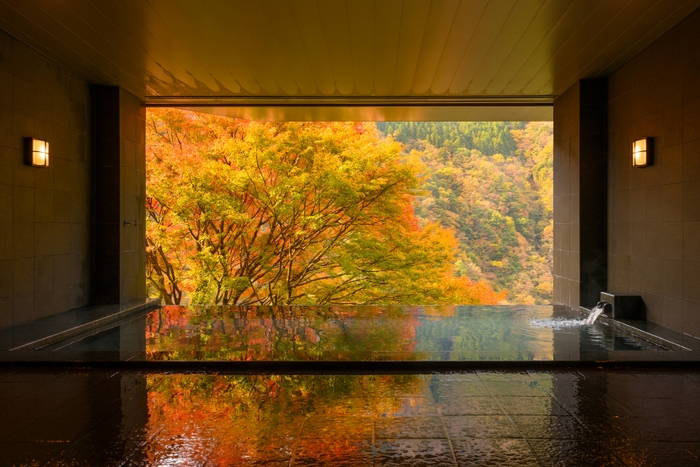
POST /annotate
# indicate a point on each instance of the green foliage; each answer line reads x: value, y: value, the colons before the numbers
x: 492, y: 183
x: 489, y: 138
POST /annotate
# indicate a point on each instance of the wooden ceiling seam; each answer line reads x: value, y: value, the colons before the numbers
x: 517, y: 54
x: 177, y: 19
x: 569, y: 16
x: 283, y: 49
x: 87, y: 74
x: 427, y: 59
x: 167, y: 59
x: 387, y: 32
x: 548, y: 65
x: 458, y: 89
x: 634, y: 49
x: 595, y: 44
x: 507, y: 28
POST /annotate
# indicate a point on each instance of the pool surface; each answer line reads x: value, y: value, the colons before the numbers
x: 355, y: 333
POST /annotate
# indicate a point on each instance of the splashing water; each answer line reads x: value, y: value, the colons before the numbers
x: 564, y: 323
x: 557, y: 323
x: 595, y: 312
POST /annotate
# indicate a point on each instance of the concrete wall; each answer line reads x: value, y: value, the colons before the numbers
x: 579, y: 194
x: 45, y: 214
x: 48, y: 234
x: 654, y: 212
x: 566, y: 196
x: 132, y: 198
x: 120, y: 196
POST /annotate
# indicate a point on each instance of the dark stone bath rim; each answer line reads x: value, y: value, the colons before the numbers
x: 645, y: 330
x: 71, y: 323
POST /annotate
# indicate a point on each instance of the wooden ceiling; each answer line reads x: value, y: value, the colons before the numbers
x: 336, y: 54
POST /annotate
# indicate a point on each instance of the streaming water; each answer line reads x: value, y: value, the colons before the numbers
x: 557, y: 323
x: 595, y: 312
x: 564, y: 323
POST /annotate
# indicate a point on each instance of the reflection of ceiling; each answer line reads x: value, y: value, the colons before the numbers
x: 517, y: 50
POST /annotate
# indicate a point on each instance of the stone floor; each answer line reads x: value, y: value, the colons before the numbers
x: 587, y: 417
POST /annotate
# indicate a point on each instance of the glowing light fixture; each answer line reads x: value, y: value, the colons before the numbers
x: 643, y: 152
x: 36, y: 152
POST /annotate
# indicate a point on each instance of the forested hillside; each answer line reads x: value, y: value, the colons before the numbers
x: 492, y: 183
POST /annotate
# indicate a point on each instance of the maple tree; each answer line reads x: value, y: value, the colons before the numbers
x: 258, y: 213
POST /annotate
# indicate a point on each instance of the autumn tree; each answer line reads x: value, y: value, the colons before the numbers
x: 491, y: 182
x: 288, y: 213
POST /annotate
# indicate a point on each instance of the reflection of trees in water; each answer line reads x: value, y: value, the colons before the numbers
x: 473, y: 333
x: 254, y: 417
x: 337, y: 333
x: 282, y: 333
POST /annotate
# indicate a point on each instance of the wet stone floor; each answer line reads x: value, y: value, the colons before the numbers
x: 594, y: 417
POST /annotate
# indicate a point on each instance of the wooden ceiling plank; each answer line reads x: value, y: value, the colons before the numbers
x: 599, y: 42
x: 327, y: 47
x: 481, y: 113
x: 51, y: 29
x: 111, y: 58
x: 15, y: 23
x: 599, y: 20
x: 284, y: 28
x: 226, y: 52
x: 608, y: 55
x: 530, y: 114
x: 125, y: 21
x: 414, y: 17
x: 543, y: 114
x: 169, y: 40
x: 578, y: 12
x: 337, y: 32
x: 94, y: 67
x: 258, y: 27
x: 361, y: 26
x: 310, y: 26
x: 464, y: 25
x: 235, y: 28
x: 541, y: 26
x: 495, y: 15
x: 440, y: 15
x: 656, y: 31
x: 120, y: 42
x: 538, y: 114
x: 387, y: 26
x: 522, y: 114
x: 187, y: 39
x: 521, y: 17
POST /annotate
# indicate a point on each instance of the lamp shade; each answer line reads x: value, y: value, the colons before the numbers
x: 643, y: 152
x: 36, y: 152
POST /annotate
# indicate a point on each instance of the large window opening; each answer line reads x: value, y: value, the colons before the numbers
x: 346, y: 213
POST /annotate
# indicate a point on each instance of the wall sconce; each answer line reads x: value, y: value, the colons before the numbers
x: 643, y: 152
x: 36, y: 152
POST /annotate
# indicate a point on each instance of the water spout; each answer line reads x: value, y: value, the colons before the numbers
x: 597, y: 311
